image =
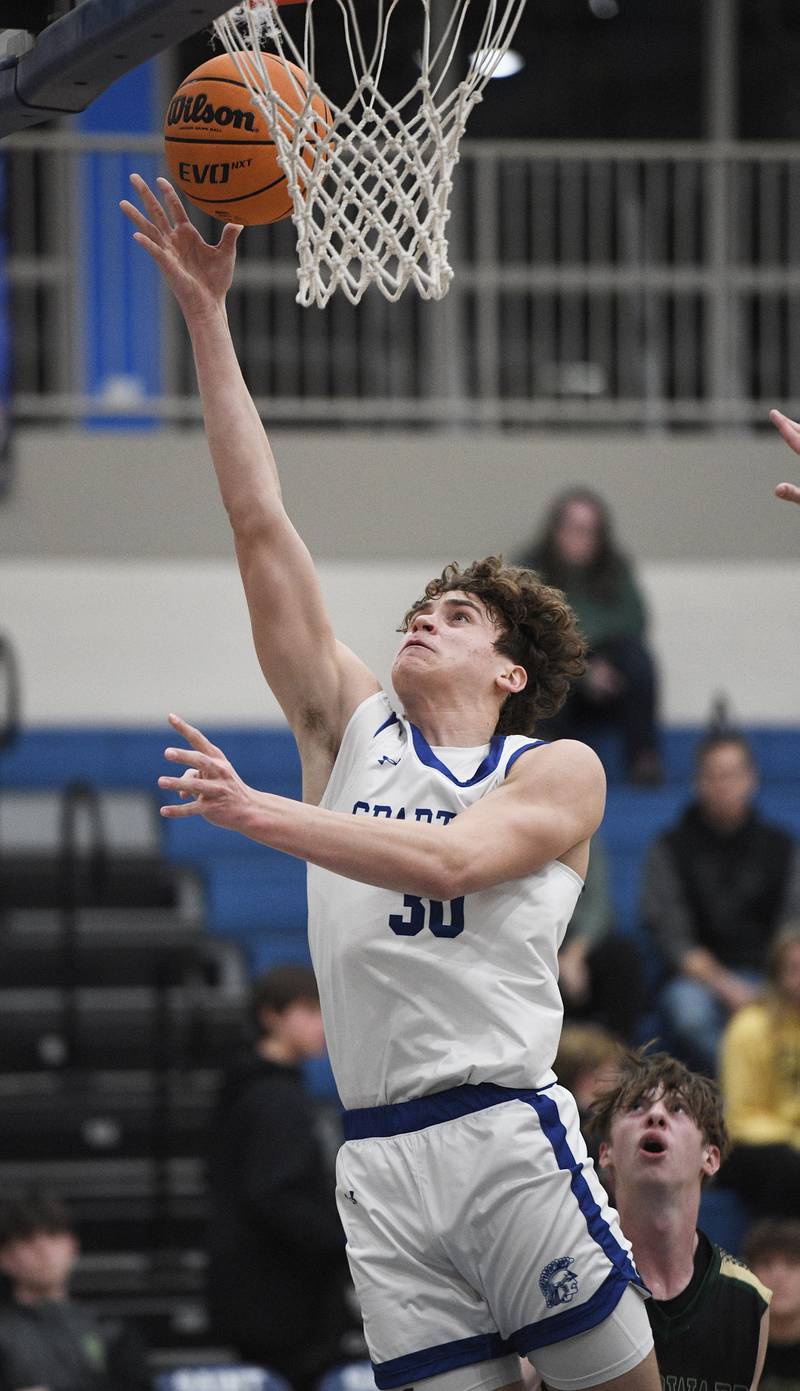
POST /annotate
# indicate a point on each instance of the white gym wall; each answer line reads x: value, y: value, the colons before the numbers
x: 120, y: 595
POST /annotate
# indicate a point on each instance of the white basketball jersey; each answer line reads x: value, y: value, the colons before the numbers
x: 418, y: 995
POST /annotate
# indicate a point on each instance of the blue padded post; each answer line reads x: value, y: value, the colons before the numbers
x: 121, y: 291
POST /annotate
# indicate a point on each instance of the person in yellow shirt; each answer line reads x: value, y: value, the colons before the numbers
x: 760, y: 1080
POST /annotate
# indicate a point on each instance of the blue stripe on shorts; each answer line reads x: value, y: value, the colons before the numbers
x: 569, y: 1322
x: 431, y: 1362
x: 553, y: 1127
x: 402, y: 1117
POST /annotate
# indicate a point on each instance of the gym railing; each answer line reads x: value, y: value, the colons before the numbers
x: 628, y: 284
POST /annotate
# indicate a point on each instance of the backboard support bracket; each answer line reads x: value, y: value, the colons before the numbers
x: 74, y: 59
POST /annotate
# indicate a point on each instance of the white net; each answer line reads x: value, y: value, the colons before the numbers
x: 371, y: 186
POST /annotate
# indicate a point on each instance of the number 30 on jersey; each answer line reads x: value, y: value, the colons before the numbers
x: 442, y: 919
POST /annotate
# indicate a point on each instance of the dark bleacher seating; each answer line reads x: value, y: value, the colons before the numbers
x: 110, y: 946
x: 106, y: 1028
x: 38, y: 881
x: 117, y: 1012
x: 105, y: 1115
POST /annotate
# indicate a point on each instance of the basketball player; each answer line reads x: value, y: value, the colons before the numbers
x: 790, y: 431
x: 446, y: 851
x: 662, y: 1135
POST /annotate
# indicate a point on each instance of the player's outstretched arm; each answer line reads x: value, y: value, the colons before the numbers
x: 551, y: 803
x: 790, y: 431
x: 317, y: 681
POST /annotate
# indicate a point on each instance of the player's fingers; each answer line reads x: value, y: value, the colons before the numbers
x: 173, y: 811
x: 789, y: 492
x: 177, y: 211
x: 199, y: 788
x: 157, y: 252
x: 193, y: 736
x: 191, y: 784
x: 140, y: 221
x: 778, y: 418
x: 788, y: 429
x: 190, y: 757
x: 231, y: 233
x: 151, y: 203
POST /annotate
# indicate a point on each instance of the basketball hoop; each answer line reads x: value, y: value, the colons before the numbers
x: 374, y: 205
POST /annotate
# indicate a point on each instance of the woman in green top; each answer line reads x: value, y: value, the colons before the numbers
x: 576, y: 552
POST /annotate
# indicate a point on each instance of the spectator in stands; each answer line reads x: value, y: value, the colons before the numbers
x: 47, y: 1341
x: 662, y: 1135
x: 277, y: 1274
x: 577, y: 553
x: 586, y: 1062
x: 599, y: 971
x: 716, y: 886
x: 760, y: 1074
x: 772, y: 1250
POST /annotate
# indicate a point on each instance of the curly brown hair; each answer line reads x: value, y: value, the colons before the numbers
x: 641, y: 1074
x: 538, y: 632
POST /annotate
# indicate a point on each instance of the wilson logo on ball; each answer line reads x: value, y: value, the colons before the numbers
x: 198, y: 110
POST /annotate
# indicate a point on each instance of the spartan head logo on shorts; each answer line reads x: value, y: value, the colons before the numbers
x: 557, y: 1282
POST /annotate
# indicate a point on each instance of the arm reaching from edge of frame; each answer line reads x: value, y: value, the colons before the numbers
x: 317, y: 681
x: 790, y: 431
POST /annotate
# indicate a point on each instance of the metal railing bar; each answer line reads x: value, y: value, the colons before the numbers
x: 357, y: 410
x: 567, y: 151
x: 645, y: 151
x: 38, y: 270
x: 609, y: 279
x: 661, y: 279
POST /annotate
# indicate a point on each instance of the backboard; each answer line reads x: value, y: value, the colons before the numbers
x: 60, y: 69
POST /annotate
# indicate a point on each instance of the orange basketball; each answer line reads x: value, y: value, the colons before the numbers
x: 220, y: 147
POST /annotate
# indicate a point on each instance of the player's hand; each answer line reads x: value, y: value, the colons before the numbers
x: 790, y: 431
x: 198, y: 273
x: 210, y: 780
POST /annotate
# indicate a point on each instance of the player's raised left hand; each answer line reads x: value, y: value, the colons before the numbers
x: 210, y: 780
x: 198, y: 272
x: 790, y: 431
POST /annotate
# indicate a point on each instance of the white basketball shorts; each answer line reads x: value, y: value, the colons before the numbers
x: 476, y: 1228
